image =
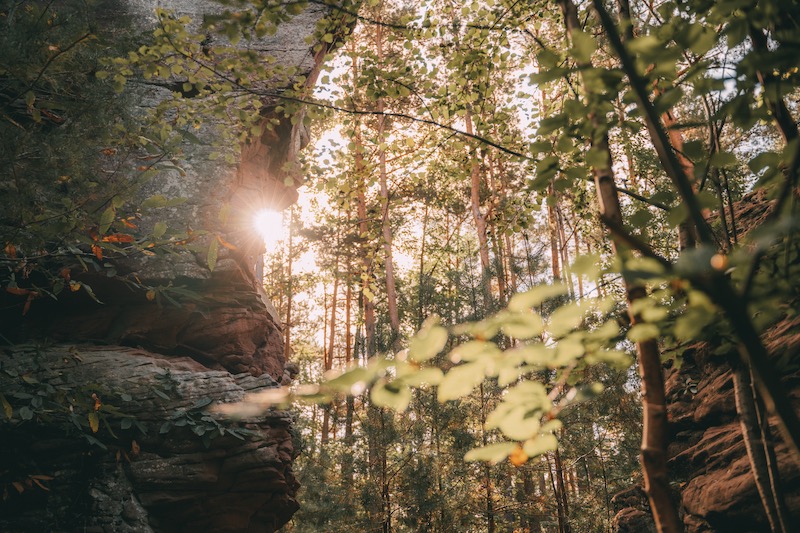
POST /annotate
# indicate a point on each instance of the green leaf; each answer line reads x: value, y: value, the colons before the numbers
x: 565, y: 319
x: 159, y: 229
x: 429, y: 341
x: 213, y: 251
x: 643, y: 332
x: 90, y: 292
x: 540, y: 444
x: 701, y: 39
x: 535, y: 296
x: 724, y: 159
x: 154, y: 201
x: 94, y: 422
x: 423, y: 376
x: 520, y: 325
x: 460, y: 381
x: 583, y: 46
x: 589, y: 265
x: 493, y: 453
x: 677, y: 214
x: 7, y: 409
x: 517, y: 423
x: 391, y: 395
x: 473, y: 351
x: 597, y: 159
x: 352, y: 381
x: 106, y: 219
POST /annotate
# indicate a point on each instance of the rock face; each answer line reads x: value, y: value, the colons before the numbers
x: 111, y: 430
x: 708, y: 457
x: 160, y: 474
x: 709, y: 467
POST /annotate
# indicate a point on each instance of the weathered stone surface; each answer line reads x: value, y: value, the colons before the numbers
x: 708, y: 464
x: 168, y: 479
x: 222, y: 341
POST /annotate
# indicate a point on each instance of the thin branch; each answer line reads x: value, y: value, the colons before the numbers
x: 634, y: 242
x: 644, y: 199
x: 666, y: 153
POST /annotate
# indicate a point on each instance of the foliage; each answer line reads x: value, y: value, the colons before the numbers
x: 695, y: 102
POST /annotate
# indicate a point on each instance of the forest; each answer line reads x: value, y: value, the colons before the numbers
x: 536, y: 271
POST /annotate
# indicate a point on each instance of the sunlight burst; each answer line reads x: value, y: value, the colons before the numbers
x: 269, y: 225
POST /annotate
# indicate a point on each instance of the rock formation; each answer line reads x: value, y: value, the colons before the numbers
x: 709, y: 467
x: 110, y: 431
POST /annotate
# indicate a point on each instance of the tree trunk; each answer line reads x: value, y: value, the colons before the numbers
x: 420, y: 280
x: 552, y: 225
x: 562, y: 491
x: 386, y: 227
x: 478, y: 216
x: 655, y: 431
x: 490, y: 519
x: 347, y: 463
x: 762, y: 460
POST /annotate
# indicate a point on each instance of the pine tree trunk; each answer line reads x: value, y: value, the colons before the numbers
x: 490, y: 518
x: 562, y: 492
x: 479, y: 218
x: 421, y: 274
x: 386, y: 227
x: 552, y: 225
x: 326, y: 409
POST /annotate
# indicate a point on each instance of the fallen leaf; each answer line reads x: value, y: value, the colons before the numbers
x: 97, y: 403
x: 118, y: 237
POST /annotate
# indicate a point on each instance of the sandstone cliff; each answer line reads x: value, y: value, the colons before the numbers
x: 109, y: 429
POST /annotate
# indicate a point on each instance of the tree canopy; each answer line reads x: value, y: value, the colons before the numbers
x: 517, y: 206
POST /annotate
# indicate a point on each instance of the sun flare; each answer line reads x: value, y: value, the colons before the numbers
x: 269, y: 225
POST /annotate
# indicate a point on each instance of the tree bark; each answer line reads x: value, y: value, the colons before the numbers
x: 478, y: 216
x: 758, y: 451
x: 386, y: 227
x: 655, y: 431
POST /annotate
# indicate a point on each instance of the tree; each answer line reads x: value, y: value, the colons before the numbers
x: 642, y: 121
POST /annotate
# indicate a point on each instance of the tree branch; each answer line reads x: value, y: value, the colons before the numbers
x: 666, y: 153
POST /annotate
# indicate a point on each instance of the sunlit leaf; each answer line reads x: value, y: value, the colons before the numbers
x: 472, y: 351
x: 429, y: 341
x: 391, y: 395
x: 211, y: 256
x: 520, y: 325
x: 535, y: 296
x: 492, y: 453
x: 565, y: 319
x: 643, y: 332
x: 540, y: 444
x: 423, y: 376
x: 460, y: 381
